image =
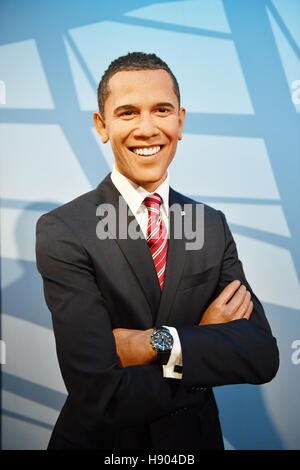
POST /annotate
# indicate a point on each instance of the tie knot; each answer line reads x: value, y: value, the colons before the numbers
x: 153, y: 202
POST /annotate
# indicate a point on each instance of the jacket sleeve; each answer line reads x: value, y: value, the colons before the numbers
x: 240, y: 351
x: 103, y: 393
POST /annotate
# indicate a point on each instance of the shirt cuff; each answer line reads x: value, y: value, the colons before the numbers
x: 175, y: 358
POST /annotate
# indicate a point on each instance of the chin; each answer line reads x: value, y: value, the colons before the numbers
x: 151, y: 178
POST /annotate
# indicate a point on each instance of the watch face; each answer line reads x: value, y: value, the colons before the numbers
x: 163, y: 340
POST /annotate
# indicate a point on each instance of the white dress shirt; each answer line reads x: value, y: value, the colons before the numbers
x: 134, y: 196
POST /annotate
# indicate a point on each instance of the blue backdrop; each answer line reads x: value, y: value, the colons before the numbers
x: 238, y: 66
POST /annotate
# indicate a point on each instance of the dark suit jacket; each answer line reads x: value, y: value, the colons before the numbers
x: 92, y: 286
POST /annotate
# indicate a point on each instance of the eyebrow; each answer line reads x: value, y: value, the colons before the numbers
x: 170, y: 105
x: 125, y: 107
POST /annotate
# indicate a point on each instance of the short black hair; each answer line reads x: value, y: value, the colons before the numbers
x: 132, y: 61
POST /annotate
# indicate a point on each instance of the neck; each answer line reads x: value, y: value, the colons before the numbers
x: 149, y: 186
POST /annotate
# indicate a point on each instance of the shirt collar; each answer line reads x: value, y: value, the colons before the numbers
x: 134, y: 194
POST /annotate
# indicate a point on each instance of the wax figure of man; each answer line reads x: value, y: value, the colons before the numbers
x: 143, y: 334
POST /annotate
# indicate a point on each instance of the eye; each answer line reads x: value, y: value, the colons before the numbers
x: 163, y: 111
x: 128, y: 114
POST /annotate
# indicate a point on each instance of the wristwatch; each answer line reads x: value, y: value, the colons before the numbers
x: 162, y: 342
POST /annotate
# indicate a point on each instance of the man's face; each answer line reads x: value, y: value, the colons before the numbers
x: 143, y: 123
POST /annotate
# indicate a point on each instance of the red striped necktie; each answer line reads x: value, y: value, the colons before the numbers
x: 157, y: 236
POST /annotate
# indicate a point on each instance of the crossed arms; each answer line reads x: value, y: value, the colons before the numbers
x: 232, y: 344
x: 234, y: 303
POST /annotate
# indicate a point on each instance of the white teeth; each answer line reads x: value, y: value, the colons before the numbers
x: 147, y: 151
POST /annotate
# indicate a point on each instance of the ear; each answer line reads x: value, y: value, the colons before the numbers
x: 181, y: 118
x: 100, y: 127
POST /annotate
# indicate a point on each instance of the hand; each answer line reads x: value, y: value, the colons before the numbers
x: 133, y: 346
x: 240, y: 305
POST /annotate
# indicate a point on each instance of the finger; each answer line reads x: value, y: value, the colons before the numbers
x: 237, y: 300
x: 228, y: 292
x: 123, y: 334
x: 243, y: 307
x: 124, y: 331
x: 249, y: 311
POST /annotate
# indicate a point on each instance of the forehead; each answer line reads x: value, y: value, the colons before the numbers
x: 137, y: 86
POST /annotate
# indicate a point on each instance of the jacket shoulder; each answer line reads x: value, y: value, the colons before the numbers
x: 80, y: 207
x: 209, y: 211
x: 73, y: 210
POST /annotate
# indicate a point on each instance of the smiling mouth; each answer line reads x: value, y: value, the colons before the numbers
x: 146, y: 151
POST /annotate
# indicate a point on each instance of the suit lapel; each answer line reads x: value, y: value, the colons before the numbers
x: 136, y: 251
x: 175, y: 263
x: 137, y: 254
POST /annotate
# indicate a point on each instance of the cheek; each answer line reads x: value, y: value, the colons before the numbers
x: 118, y: 133
x: 172, y: 130
x: 173, y: 139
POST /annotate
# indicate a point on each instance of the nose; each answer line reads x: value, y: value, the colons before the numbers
x: 146, y: 127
